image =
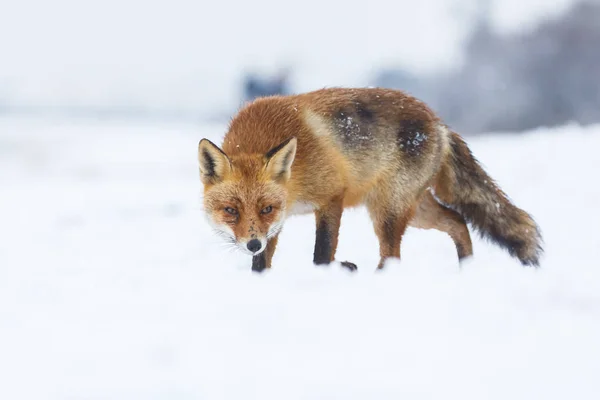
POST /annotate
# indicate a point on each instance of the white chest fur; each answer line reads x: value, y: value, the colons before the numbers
x: 301, y: 207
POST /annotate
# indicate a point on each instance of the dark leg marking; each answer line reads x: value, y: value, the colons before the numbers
x: 325, y: 246
x: 323, y: 243
x: 351, y: 266
x: 259, y: 262
x: 328, y: 226
x: 263, y: 260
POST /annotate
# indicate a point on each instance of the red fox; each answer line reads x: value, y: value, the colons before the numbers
x: 323, y: 151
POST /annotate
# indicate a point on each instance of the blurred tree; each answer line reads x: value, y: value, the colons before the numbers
x: 548, y: 75
x: 257, y: 86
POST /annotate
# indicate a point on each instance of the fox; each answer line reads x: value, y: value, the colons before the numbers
x: 327, y: 150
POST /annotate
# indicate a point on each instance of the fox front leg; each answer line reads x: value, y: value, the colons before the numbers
x: 263, y: 260
x: 328, y: 220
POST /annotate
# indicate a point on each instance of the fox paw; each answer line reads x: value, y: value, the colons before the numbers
x: 351, y: 266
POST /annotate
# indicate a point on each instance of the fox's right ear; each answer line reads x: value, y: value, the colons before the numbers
x: 214, y: 163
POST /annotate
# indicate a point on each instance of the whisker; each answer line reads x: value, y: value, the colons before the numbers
x: 275, y: 229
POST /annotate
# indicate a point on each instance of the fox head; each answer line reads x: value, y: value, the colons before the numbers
x: 245, y: 195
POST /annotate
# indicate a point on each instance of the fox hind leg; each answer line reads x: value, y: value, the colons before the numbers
x: 430, y: 214
x: 390, y: 222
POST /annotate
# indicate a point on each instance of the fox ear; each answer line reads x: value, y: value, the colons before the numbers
x: 214, y: 163
x: 280, y: 159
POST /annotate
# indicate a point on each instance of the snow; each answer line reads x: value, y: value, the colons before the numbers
x: 112, y: 284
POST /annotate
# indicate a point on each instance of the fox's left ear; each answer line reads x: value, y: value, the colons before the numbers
x: 280, y: 159
x: 214, y: 163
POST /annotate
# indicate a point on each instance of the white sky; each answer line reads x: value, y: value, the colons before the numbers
x: 185, y: 52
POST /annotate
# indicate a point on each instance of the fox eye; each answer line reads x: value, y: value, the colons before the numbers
x: 230, y: 210
x: 266, y: 210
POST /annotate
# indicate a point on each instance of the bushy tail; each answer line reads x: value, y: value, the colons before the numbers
x: 464, y: 186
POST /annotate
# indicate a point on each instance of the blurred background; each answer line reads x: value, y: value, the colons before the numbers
x: 484, y: 65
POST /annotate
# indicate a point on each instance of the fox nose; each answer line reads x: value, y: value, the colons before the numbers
x: 254, y: 245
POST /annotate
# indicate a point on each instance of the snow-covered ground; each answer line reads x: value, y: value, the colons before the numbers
x: 112, y: 285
